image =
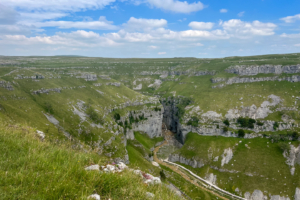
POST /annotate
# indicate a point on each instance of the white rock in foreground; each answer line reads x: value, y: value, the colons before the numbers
x: 92, y: 168
x: 149, y: 195
x: 94, y: 196
x: 155, y: 164
x: 41, y: 134
x: 297, y: 194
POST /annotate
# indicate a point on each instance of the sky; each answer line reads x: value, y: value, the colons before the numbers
x: 149, y: 28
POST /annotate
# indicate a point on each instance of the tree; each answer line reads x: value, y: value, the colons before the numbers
x: 241, y: 133
x: 226, y: 122
x: 225, y: 128
x: 49, y: 108
x: 295, y: 135
x: 275, y: 125
x: 284, y: 146
x: 117, y: 116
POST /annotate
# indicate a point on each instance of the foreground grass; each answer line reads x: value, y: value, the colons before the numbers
x: 31, y: 169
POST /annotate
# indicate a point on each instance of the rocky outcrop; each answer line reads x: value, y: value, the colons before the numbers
x: 235, y: 80
x: 297, y: 194
x: 6, y: 85
x: 114, y: 84
x: 256, y: 195
x: 251, y: 70
x: 211, y: 178
x: 47, y: 91
x: 254, y: 112
x: 226, y: 156
x: 88, y: 77
x: 191, y: 162
x: 293, y: 157
x: 178, y: 73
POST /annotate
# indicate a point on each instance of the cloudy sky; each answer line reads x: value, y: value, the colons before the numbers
x: 149, y: 28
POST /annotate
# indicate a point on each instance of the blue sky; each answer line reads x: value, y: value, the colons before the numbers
x: 149, y: 28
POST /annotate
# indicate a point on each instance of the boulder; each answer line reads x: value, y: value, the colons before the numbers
x: 92, y: 168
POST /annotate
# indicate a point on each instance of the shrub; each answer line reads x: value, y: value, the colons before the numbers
x: 49, y: 108
x: 162, y: 175
x: 157, y: 109
x: 295, y: 135
x: 284, y: 146
x: 275, y: 125
x: 241, y: 133
x: 226, y: 122
x: 259, y: 123
x: 225, y: 128
x: 117, y: 116
x: 193, y: 121
x: 246, y: 122
x: 275, y: 138
x: 93, y: 115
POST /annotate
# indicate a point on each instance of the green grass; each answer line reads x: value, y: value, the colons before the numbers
x: 263, y: 160
x: 146, y: 141
x: 31, y: 169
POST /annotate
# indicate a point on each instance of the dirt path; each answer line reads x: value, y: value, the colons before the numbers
x: 168, y: 137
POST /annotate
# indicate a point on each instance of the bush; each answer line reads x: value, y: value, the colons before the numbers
x: 157, y: 109
x: 183, y: 102
x: 93, y: 115
x: 225, y: 129
x: 246, y: 122
x: 162, y: 175
x: 226, y: 122
x: 275, y: 125
x: 193, y: 121
x: 284, y: 146
x: 295, y: 136
x: 275, y: 138
x: 117, y: 116
x: 259, y: 123
x: 241, y: 133
x: 49, y: 108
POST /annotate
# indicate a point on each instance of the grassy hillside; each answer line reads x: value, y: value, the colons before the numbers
x: 31, y: 169
x: 260, y: 165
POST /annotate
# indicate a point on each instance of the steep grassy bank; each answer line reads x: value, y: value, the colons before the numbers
x: 32, y: 169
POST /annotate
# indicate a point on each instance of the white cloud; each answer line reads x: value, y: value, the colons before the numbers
x: 78, y: 38
x: 241, y: 29
x: 142, y: 24
x: 8, y: 15
x: 177, y: 6
x: 290, y: 35
x: 241, y: 14
x: 61, y: 5
x: 199, y: 44
x: 223, y: 10
x: 297, y: 45
x: 201, y: 25
x: 291, y: 19
x: 153, y: 47
x: 162, y: 53
x: 102, y: 24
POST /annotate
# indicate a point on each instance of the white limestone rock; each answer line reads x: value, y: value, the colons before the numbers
x: 92, y: 168
x: 41, y: 134
x: 297, y: 194
x: 226, y: 156
x: 149, y: 195
x: 212, y: 178
x: 155, y: 164
x: 94, y: 196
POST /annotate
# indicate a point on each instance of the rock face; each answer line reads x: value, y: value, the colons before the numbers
x: 151, y: 126
x: 254, y: 112
x: 234, y: 80
x: 293, y: 157
x: 183, y: 160
x: 212, y: 178
x: 256, y: 195
x: 251, y: 70
x: 297, y: 194
x: 226, y: 156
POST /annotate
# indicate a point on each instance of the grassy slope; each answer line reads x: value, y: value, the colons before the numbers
x: 137, y: 159
x: 264, y: 160
x: 31, y: 169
